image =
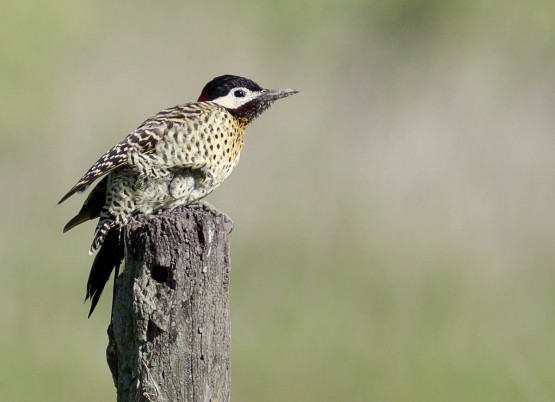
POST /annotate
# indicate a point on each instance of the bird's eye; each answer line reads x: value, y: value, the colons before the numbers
x: 239, y: 93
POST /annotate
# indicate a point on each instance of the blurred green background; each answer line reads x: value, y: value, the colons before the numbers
x: 394, y: 222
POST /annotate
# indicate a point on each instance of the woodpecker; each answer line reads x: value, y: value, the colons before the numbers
x: 176, y: 157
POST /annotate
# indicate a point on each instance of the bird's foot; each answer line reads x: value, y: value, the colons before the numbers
x: 209, y: 207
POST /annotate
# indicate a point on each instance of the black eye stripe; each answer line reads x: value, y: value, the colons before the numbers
x: 239, y: 93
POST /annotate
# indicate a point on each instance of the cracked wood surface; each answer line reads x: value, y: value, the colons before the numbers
x: 169, y: 339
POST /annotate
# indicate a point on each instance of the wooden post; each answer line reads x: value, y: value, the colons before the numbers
x: 169, y: 339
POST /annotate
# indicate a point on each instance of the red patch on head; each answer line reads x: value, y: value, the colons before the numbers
x: 203, y: 96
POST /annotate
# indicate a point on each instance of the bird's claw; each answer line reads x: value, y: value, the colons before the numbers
x: 228, y: 222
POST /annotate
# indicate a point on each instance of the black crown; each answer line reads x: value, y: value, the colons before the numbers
x: 220, y: 86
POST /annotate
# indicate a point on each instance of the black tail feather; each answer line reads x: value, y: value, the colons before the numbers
x: 108, y: 258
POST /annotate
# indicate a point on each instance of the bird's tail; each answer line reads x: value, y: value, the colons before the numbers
x: 108, y: 259
x: 105, y: 224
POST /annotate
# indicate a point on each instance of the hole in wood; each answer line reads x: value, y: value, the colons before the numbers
x: 159, y: 274
x: 153, y: 331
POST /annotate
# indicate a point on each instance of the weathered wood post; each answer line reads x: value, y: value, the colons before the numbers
x: 169, y: 339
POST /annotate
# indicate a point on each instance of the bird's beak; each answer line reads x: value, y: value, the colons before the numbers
x: 275, y: 94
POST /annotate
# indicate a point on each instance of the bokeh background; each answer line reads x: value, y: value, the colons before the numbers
x: 394, y: 222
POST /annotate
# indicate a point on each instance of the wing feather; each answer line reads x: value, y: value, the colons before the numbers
x: 144, y: 138
x: 92, y: 207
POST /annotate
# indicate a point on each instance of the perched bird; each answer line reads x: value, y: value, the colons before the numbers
x: 176, y: 157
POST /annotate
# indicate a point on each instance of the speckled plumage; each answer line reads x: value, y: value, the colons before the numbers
x: 176, y: 157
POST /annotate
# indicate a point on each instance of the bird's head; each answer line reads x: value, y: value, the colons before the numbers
x: 243, y: 98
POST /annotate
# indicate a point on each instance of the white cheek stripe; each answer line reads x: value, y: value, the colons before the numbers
x: 231, y: 102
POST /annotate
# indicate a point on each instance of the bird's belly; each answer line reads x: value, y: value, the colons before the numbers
x: 182, y: 187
